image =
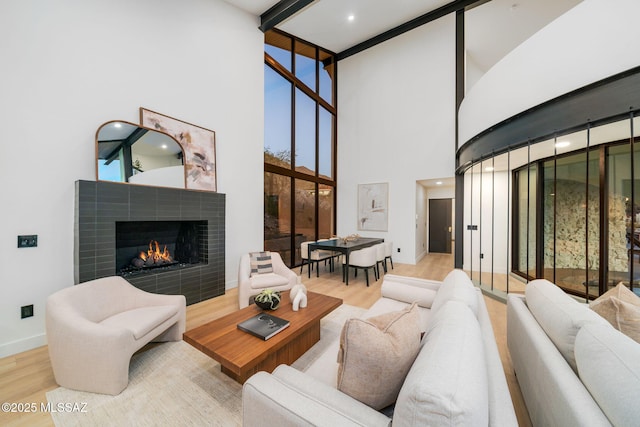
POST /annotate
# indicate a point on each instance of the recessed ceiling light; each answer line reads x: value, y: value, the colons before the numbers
x: 562, y: 144
x: 438, y: 182
x: 164, y: 146
x: 351, y: 17
x: 489, y: 168
x: 117, y: 125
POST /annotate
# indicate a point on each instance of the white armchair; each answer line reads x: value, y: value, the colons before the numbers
x: 95, y: 327
x: 280, y: 279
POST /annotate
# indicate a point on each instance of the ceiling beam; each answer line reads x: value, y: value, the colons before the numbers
x: 281, y: 11
x: 126, y: 143
x: 409, y: 25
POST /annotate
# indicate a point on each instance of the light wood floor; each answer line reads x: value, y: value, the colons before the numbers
x: 26, y: 377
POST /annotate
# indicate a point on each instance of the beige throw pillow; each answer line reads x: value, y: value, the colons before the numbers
x: 621, y: 307
x: 376, y: 354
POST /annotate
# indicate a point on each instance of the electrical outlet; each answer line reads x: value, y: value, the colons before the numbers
x: 398, y: 249
x: 26, y: 311
x: 30, y: 241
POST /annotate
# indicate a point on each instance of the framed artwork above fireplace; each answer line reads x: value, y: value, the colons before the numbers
x: 199, y: 146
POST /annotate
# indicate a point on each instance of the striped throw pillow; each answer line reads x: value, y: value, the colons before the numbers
x: 260, y: 263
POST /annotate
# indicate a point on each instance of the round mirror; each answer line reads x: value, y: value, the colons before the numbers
x: 126, y: 152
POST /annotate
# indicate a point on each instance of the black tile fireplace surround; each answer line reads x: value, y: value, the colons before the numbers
x: 102, y: 207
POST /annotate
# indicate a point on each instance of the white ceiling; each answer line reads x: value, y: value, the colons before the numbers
x: 491, y: 30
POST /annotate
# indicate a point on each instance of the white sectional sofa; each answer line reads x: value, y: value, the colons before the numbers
x: 457, y: 377
x: 573, y: 367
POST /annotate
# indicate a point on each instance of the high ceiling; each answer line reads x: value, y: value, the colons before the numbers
x: 492, y: 29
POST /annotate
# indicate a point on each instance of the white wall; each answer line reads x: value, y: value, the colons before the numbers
x: 69, y: 66
x: 422, y: 207
x: 396, y: 110
x: 588, y: 43
x: 487, y: 202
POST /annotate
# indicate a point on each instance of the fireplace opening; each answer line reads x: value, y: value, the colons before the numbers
x: 155, y: 246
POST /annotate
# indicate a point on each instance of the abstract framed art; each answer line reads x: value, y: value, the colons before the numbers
x: 373, y: 209
x: 198, y: 143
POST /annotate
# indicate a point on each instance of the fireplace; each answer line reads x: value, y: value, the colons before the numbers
x: 146, y: 246
x: 189, y: 223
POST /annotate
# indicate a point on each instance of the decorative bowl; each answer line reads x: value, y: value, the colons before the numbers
x: 268, y: 299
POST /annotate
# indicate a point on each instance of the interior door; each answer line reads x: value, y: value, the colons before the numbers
x: 440, y: 223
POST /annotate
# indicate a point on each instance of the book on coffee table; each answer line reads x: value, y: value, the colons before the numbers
x: 263, y: 325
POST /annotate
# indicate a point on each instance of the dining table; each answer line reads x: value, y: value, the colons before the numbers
x: 344, y: 247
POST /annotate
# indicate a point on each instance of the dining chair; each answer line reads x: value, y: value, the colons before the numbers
x: 388, y: 250
x: 380, y: 258
x: 362, y: 259
x: 337, y: 256
x: 317, y: 255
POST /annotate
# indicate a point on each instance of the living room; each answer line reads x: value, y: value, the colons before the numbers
x: 203, y: 62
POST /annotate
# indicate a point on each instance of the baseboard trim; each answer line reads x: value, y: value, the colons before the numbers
x: 19, y: 346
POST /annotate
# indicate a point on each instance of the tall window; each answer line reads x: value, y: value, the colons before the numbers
x: 299, y: 144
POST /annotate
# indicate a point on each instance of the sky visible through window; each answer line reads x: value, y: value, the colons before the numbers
x: 277, y: 94
x: 110, y: 172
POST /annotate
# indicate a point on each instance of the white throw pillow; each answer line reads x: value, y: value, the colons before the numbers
x: 559, y: 315
x: 609, y: 366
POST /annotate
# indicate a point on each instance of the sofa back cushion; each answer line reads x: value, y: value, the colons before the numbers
x: 609, y: 366
x: 447, y: 384
x: 559, y: 315
x: 456, y: 287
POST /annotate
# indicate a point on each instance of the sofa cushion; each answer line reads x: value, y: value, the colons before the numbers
x: 268, y: 280
x: 407, y: 293
x: 376, y: 354
x: 447, y: 384
x: 141, y: 321
x: 559, y: 315
x: 609, y: 366
x: 260, y: 263
x: 621, y: 308
x: 456, y: 287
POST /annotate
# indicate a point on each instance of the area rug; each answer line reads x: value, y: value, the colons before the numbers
x: 175, y: 384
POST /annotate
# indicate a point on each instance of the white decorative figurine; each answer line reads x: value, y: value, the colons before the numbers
x: 298, y: 296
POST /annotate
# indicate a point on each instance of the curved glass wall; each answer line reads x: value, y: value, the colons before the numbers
x: 566, y: 209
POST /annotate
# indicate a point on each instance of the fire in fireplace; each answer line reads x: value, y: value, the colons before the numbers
x: 153, y: 257
x: 142, y: 246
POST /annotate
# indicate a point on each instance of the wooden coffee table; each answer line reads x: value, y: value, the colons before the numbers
x: 241, y: 355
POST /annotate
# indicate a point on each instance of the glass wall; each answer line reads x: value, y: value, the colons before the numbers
x: 566, y: 209
x: 299, y: 144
